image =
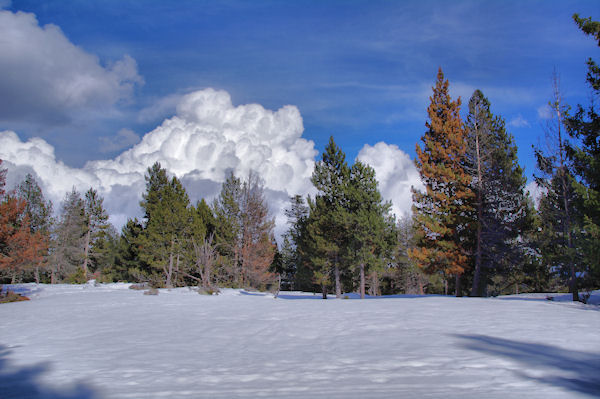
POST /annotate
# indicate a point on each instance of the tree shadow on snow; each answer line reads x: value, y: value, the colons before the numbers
x: 568, y: 369
x: 23, y: 383
x: 348, y: 295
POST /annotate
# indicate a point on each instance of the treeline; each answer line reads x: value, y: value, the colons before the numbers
x: 473, y: 231
x: 474, y: 221
x: 230, y: 243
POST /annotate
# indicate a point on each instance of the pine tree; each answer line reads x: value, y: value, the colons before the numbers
x: 128, y: 265
x: 39, y: 213
x: 500, y: 204
x: 257, y: 241
x: 329, y: 214
x: 370, y: 227
x: 226, y: 208
x: 96, y: 227
x: 294, y: 249
x: 19, y: 245
x: 441, y: 212
x: 244, y: 231
x: 584, y: 153
x: 68, y: 239
x: 168, y: 221
x: 558, y: 205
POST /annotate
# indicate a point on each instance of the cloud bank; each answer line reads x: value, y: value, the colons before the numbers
x: 206, y: 139
x: 395, y: 172
x: 47, y: 79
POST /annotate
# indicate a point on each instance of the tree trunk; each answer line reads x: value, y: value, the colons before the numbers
x: 476, y: 290
x: 457, y: 283
x: 86, y: 251
x: 573, y: 277
x: 362, y: 281
x: 37, y: 275
x: 324, y: 291
x: 374, y: 284
x: 445, y: 286
x: 338, y: 287
x: 170, y: 270
x: 420, y: 283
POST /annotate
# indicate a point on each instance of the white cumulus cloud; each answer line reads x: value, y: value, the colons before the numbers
x: 535, y: 192
x: 123, y: 139
x: 45, y: 78
x: 207, y: 138
x: 395, y: 172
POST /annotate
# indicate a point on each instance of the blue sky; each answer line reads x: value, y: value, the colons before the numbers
x: 358, y: 70
x: 361, y: 71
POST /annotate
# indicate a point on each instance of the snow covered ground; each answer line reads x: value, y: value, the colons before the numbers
x: 112, y: 342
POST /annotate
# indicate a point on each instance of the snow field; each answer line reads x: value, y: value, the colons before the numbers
x: 112, y: 342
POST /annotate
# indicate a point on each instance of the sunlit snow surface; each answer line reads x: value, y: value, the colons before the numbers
x: 112, y: 342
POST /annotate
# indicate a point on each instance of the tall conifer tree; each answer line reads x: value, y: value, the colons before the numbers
x: 329, y: 213
x: 441, y: 212
x: 584, y: 127
x: 501, y: 211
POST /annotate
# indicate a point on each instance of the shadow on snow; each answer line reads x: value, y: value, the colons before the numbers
x: 350, y: 295
x: 23, y: 382
x: 564, y: 368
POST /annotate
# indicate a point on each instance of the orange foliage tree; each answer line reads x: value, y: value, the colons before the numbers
x: 441, y: 213
x: 20, y: 248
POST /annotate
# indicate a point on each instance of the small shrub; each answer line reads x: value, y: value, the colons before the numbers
x: 345, y: 297
x: 151, y: 291
x: 77, y: 277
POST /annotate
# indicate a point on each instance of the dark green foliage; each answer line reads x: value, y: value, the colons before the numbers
x: 168, y: 224
x: 37, y: 209
x: 226, y: 210
x: 500, y: 211
x: 584, y: 154
x: 96, y: 240
x: 328, y: 218
x: 342, y: 236
x: 370, y: 228
x: 127, y: 265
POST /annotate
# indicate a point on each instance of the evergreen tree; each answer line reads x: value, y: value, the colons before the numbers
x: 294, y: 250
x: 39, y: 214
x: 558, y: 203
x: 500, y: 215
x: 441, y: 212
x: 68, y: 239
x: 584, y: 153
x: 328, y: 215
x: 226, y: 209
x: 128, y: 265
x: 370, y: 228
x: 96, y: 228
x: 168, y: 222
